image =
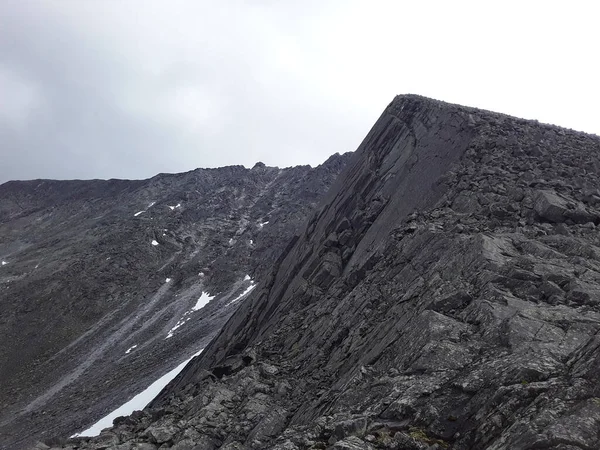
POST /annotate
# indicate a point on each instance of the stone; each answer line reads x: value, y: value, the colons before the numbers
x: 287, y: 445
x: 550, y: 207
x: 143, y: 446
x: 161, y: 432
x: 106, y: 439
x: 352, y: 443
x: 204, y: 443
x: 352, y: 427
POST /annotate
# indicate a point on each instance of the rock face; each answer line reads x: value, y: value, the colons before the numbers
x: 446, y: 294
x: 100, y: 281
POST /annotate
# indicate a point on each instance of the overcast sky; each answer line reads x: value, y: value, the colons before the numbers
x: 131, y: 88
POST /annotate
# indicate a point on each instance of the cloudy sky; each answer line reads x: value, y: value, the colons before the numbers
x: 131, y: 88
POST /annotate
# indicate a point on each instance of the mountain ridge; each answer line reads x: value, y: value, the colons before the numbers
x: 445, y: 293
x: 501, y: 186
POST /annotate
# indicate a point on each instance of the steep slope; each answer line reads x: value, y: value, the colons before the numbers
x: 446, y: 294
x: 101, y: 280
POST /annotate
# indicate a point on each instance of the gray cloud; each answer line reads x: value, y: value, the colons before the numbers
x: 132, y: 88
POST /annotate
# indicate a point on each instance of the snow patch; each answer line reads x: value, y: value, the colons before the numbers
x: 138, y: 213
x: 243, y: 294
x: 130, y: 348
x: 154, y: 242
x: 4, y: 263
x: 181, y: 322
x: 202, y: 301
x: 168, y: 280
x: 251, y: 242
x: 262, y: 224
x: 151, y: 204
x: 178, y: 205
x: 231, y: 241
x: 247, y: 278
x: 136, y: 403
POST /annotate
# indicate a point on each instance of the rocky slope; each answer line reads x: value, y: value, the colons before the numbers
x: 446, y: 294
x: 100, y: 280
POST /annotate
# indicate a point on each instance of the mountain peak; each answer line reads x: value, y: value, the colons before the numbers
x: 444, y: 293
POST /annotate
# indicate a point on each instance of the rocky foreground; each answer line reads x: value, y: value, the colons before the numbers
x: 446, y: 295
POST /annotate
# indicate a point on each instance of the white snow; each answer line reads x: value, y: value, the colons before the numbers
x: 4, y: 263
x: 251, y: 242
x: 262, y: 224
x: 151, y: 204
x: 138, y: 213
x: 154, y: 242
x: 168, y: 280
x: 136, y: 403
x: 131, y: 348
x: 243, y: 294
x: 202, y: 301
x: 231, y: 241
x: 182, y: 321
x: 178, y: 205
x: 247, y: 278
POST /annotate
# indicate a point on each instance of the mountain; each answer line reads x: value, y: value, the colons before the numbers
x: 445, y: 294
x: 104, y: 284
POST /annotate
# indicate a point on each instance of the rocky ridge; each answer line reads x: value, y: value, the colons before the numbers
x: 446, y: 294
x: 101, y: 279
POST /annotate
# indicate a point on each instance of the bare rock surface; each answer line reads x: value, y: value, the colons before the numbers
x: 445, y: 295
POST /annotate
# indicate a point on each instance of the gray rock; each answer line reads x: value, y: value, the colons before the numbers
x: 352, y: 427
x: 551, y: 207
x: 352, y: 443
x: 185, y: 444
x: 106, y: 439
x: 161, y: 432
x: 143, y: 446
x: 287, y: 445
x: 113, y: 295
x: 204, y: 443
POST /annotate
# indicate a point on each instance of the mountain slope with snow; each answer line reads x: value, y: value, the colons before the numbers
x: 107, y: 285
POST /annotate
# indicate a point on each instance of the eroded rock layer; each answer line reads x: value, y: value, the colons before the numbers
x: 445, y: 295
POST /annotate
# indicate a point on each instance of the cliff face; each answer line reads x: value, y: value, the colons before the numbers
x: 100, y: 280
x: 446, y: 294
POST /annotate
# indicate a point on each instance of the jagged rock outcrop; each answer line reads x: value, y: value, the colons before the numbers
x: 100, y: 280
x: 446, y: 294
